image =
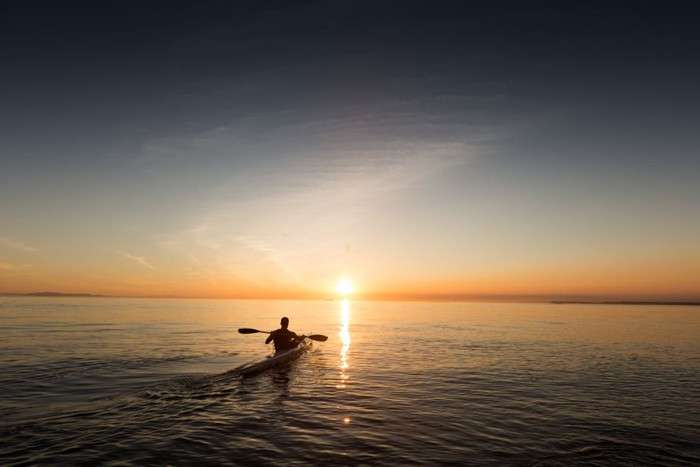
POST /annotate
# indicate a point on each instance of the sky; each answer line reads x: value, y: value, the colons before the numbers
x: 422, y: 149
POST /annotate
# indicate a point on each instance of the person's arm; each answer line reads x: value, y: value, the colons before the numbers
x: 270, y: 337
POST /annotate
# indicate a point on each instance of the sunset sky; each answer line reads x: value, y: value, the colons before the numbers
x: 423, y: 151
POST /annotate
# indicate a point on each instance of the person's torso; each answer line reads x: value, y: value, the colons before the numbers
x: 283, y: 339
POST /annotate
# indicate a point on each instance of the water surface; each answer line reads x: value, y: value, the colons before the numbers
x: 138, y: 382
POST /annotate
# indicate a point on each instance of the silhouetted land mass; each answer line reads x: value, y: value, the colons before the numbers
x: 624, y: 302
x: 52, y: 294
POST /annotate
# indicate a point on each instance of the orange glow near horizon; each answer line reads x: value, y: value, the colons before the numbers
x: 673, y: 277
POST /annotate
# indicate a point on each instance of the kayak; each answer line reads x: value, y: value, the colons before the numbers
x: 275, y: 360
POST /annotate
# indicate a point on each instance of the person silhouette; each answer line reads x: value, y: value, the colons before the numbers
x: 283, y: 338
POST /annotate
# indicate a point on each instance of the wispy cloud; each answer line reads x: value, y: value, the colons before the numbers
x: 6, y: 266
x: 285, y: 192
x: 137, y: 259
x: 306, y: 210
x: 17, y: 245
x: 274, y: 256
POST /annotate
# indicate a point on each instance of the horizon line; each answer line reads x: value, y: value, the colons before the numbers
x: 513, y: 298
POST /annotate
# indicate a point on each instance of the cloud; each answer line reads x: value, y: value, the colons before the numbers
x: 17, y: 245
x: 272, y: 255
x: 138, y: 259
x: 5, y: 266
x: 264, y: 137
x: 277, y: 190
x: 278, y: 223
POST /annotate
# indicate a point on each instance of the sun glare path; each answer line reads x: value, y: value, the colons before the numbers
x: 345, y: 341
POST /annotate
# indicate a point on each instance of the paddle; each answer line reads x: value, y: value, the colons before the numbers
x: 251, y: 331
x: 313, y: 337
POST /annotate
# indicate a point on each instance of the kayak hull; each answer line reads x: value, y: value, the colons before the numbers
x: 275, y: 360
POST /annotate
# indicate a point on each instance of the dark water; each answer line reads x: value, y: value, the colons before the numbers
x: 145, y: 382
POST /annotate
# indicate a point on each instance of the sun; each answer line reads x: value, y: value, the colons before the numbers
x: 344, y: 286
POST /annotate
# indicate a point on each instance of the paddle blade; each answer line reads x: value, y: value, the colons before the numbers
x: 317, y: 337
x: 248, y: 330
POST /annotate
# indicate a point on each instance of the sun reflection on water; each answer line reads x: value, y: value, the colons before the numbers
x: 345, y: 341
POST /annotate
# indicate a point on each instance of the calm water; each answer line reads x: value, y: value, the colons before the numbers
x: 144, y: 381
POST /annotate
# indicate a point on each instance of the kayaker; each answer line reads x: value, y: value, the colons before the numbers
x: 283, y: 338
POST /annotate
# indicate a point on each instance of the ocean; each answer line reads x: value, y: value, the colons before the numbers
x: 153, y: 381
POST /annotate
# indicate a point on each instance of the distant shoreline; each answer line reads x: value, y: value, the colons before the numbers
x: 507, y: 299
x: 54, y: 294
x: 622, y: 302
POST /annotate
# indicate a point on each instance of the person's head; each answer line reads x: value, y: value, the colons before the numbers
x: 284, y: 322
